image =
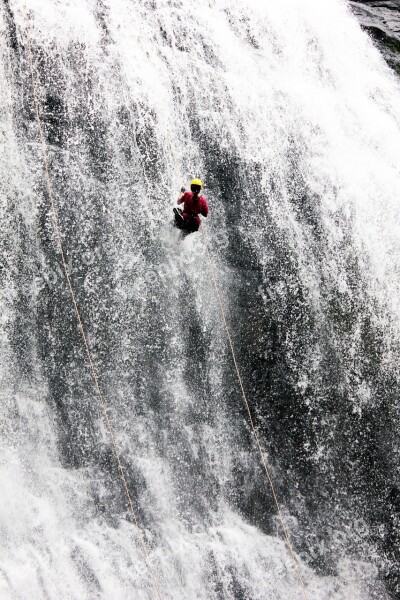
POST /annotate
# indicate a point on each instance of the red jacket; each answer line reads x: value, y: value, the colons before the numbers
x: 192, y: 208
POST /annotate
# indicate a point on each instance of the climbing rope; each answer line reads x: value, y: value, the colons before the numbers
x: 89, y: 356
x: 245, y: 400
x: 92, y: 366
x: 247, y: 405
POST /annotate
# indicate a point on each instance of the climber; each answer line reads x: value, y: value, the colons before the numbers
x: 194, y: 205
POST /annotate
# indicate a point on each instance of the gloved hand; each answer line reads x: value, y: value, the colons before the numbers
x: 183, y: 190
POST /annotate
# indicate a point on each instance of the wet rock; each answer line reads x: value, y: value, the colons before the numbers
x: 381, y: 18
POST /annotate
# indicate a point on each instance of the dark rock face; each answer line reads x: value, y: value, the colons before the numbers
x: 381, y: 18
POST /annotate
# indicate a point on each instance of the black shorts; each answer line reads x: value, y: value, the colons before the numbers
x: 189, y: 225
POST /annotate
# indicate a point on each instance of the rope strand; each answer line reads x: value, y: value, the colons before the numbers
x: 89, y: 356
x: 95, y: 377
x: 253, y: 429
x: 299, y: 575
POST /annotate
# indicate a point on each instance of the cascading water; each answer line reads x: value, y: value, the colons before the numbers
x: 291, y: 117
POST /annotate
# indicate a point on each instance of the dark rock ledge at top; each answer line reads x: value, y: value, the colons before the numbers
x: 381, y: 18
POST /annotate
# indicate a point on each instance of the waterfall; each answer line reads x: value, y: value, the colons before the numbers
x: 291, y: 117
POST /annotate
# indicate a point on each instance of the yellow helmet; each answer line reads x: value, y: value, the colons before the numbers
x: 196, y: 182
